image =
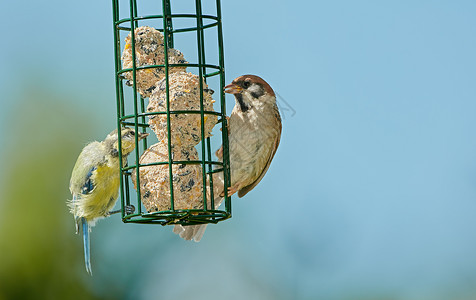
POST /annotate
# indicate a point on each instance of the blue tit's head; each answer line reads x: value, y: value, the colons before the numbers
x: 128, y: 140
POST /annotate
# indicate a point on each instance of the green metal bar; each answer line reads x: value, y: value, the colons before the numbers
x: 184, y: 212
x: 121, y: 94
x: 169, y: 140
x: 134, y: 6
x: 208, y: 148
x: 134, y: 24
x: 115, y: 15
x: 172, y: 220
x: 132, y: 124
x: 178, y: 112
x: 144, y: 143
x: 224, y: 131
x: 210, y: 172
x: 176, y: 218
x: 176, y: 162
x: 213, y: 74
x: 128, y: 195
x: 188, y: 29
x: 216, y: 171
x: 172, y: 16
x: 143, y: 111
x: 201, y: 61
x: 170, y: 65
x: 181, y: 213
x: 194, y: 28
x: 168, y: 21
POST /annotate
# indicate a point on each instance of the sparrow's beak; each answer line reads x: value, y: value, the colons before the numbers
x: 142, y: 135
x: 233, y: 89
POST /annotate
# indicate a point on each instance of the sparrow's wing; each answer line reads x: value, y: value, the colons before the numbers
x: 248, y: 188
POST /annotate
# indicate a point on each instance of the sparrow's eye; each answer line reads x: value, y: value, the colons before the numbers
x: 132, y: 133
x: 246, y: 84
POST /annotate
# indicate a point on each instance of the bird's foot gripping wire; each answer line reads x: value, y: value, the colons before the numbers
x: 231, y: 191
x: 129, y: 209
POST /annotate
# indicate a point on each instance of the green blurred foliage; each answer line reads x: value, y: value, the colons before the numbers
x: 41, y: 257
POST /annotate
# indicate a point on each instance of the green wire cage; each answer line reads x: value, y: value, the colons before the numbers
x: 197, y: 30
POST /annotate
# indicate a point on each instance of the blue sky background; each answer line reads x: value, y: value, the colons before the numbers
x: 372, y: 193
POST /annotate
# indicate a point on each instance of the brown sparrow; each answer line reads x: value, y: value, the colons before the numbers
x: 254, y: 134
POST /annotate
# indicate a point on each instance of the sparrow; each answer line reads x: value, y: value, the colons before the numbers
x: 254, y: 128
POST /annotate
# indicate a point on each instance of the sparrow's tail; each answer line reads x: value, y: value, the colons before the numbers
x: 87, y: 257
x: 195, y: 232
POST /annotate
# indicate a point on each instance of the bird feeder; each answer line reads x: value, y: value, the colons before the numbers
x: 168, y: 62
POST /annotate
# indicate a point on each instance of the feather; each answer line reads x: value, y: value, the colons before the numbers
x: 249, y: 187
x: 88, y: 186
x: 87, y: 256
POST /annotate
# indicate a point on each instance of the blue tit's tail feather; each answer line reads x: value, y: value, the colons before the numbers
x: 87, y: 257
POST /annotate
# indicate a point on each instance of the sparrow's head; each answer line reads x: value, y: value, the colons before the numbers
x: 250, y: 90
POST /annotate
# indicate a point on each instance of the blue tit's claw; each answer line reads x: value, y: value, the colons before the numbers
x: 129, y: 209
x: 113, y: 212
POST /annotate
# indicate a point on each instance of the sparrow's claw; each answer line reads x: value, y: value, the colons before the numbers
x: 231, y: 191
x: 227, y: 124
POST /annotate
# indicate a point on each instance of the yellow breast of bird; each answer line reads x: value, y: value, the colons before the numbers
x: 102, y: 199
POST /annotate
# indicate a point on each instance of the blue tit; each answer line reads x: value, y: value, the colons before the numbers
x: 95, y: 182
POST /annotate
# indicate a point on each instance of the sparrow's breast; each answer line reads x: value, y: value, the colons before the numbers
x: 250, y: 147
